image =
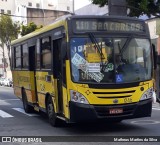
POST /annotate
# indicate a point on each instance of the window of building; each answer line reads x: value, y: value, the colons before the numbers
x: 68, y: 8
x: 37, y: 5
x: 46, y: 52
x: 25, y: 56
x: 30, y: 4
x: 8, y: 11
x: 50, y: 5
x: 18, y: 57
x: 2, y: 11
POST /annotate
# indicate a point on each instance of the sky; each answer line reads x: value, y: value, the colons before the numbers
x: 80, y: 3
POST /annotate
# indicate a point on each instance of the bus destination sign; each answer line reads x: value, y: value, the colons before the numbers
x: 106, y: 25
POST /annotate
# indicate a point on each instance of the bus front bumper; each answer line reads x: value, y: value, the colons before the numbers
x: 85, y: 112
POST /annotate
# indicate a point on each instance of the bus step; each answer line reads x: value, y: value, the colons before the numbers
x: 36, y: 108
x: 62, y: 118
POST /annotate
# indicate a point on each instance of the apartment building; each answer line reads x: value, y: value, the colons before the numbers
x: 9, y: 6
x: 154, y: 29
x: 28, y: 9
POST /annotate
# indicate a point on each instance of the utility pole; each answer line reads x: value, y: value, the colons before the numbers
x: 117, y: 7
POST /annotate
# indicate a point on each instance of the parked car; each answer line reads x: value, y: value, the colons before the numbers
x: 1, y: 81
x: 7, y: 82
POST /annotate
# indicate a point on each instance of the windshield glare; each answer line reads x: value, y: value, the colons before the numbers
x: 110, y: 60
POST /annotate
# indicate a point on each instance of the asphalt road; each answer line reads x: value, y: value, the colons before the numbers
x: 14, y: 122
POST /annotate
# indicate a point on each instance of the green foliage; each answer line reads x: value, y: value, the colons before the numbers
x: 9, y: 31
x: 137, y: 7
x: 29, y: 28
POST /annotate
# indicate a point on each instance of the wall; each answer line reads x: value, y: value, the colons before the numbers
x: 7, y: 5
x: 50, y: 14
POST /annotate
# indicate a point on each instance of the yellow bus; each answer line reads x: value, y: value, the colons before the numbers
x: 86, y: 69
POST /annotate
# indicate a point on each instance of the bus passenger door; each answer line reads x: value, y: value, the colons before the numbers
x: 32, y: 68
x: 57, y: 71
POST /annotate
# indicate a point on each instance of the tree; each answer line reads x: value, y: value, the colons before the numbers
x: 29, y: 28
x: 137, y: 7
x: 9, y: 31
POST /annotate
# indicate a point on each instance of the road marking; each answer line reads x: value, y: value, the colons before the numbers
x: 22, y: 111
x: 10, y: 100
x: 3, y: 103
x: 4, y: 114
x: 145, y: 122
x: 155, y: 108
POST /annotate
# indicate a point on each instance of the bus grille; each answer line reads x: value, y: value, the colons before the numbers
x: 103, y: 111
x: 113, y: 95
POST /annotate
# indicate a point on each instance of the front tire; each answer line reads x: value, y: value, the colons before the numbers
x: 26, y: 106
x: 53, y: 120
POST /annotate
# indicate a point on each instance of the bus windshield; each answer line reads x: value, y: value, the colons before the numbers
x: 110, y: 60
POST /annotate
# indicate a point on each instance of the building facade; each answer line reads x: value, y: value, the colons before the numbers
x: 154, y: 29
x: 10, y: 6
x: 27, y: 10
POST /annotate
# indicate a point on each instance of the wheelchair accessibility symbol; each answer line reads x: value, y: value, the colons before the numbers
x: 119, y: 78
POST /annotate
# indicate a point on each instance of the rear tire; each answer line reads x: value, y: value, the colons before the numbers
x: 53, y: 120
x: 26, y: 106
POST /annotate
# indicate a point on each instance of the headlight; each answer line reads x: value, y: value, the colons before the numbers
x: 78, y: 97
x: 147, y: 94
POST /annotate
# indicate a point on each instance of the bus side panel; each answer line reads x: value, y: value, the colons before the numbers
x: 45, y: 85
x: 17, y: 92
x: 24, y: 79
x: 41, y: 100
x: 65, y: 102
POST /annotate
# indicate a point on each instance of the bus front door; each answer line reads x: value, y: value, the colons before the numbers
x: 32, y: 65
x: 57, y: 71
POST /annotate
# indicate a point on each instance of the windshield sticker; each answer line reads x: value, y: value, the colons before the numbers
x: 119, y: 78
x: 109, y: 67
x: 93, y: 67
x: 82, y: 64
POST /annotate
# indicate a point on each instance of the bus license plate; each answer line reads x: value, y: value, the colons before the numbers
x: 115, y: 111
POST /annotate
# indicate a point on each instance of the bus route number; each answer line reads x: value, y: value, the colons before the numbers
x: 128, y: 100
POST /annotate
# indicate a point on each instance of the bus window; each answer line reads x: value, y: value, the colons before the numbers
x: 46, y: 53
x: 18, y: 57
x: 38, y: 54
x: 25, y: 56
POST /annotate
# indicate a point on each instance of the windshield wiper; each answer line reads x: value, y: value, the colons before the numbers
x: 93, y: 39
x: 121, y: 49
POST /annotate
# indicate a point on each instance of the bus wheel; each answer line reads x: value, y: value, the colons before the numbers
x: 26, y: 107
x: 53, y: 120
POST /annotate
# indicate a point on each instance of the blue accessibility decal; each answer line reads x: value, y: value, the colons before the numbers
x: 119, y: 78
